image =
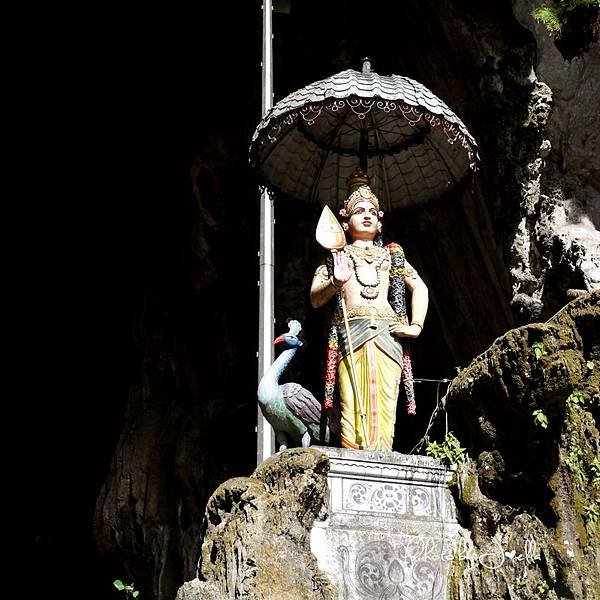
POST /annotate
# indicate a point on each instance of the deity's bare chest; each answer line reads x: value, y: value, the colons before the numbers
x: 370, y: 265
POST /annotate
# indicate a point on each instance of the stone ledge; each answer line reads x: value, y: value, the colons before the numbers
x: 386, y: 466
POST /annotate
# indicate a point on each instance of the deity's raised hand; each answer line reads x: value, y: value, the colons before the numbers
x: 342, y: 268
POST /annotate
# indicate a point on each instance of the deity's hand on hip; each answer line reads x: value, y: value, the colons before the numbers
x: 407, y: 331
x: 342, y: 268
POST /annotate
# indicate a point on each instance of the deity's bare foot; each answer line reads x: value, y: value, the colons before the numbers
x: 306, y: 440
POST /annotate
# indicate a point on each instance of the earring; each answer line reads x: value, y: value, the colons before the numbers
x: 345, y: 226
x: 379, y: 227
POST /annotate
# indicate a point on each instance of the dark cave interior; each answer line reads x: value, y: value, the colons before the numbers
x: 175, y: 101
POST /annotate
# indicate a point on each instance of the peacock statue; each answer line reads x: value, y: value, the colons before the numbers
x: 293, y: 412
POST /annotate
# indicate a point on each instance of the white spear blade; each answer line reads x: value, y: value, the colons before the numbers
x: 329, y: 231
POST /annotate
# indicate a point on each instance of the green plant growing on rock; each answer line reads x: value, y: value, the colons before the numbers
x: 582, y: 461
x: 554, y: 14
x: 539, y: 350
x: 575, y: 454
x: 540, y: 419
x: 128, y: 588
x: 449, y: 451
x: 595, y: 468
x: 549, y: 16
x: 542, y: 588
x: 579, y: 399
x: 573, y: 462
x: 591, y: 514
x: 576, y: 398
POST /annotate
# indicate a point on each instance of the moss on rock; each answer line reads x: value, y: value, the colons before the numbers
x: 256, y: 532
x: 527, y: 482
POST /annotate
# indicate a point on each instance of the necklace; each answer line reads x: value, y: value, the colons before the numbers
x: 373, y: 256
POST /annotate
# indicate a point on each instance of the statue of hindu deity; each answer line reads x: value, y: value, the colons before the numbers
x: 367, y: 354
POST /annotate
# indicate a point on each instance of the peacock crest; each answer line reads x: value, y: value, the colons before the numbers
x: 294, y: 327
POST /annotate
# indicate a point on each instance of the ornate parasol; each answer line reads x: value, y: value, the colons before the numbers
x: 412, y: 145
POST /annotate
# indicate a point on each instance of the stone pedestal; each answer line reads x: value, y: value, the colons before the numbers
x: 391, y: 526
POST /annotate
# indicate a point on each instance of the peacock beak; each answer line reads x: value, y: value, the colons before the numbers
x: 278, y: 340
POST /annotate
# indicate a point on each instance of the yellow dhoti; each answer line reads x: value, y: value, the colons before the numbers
x: 378, y: 382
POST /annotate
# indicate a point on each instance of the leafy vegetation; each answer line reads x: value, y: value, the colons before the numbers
x: 573, y: 462
x: 595, y: 468
x: 449, y: 451
x: 128, y: 588
x: 540, y: 419
x: 542, y: 588
x: 579, y: 399
x: 539, y: 350
x: 591, y: 514
x: 554, y: 14
x: 576, y: 398
x: 581, y: 457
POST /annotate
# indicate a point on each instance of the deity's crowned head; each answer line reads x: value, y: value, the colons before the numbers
x: 359, y: 191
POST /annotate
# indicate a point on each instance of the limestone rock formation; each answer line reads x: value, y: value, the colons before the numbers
x: 556, y: 246
x: 256, y: 533
x: 528, y: 410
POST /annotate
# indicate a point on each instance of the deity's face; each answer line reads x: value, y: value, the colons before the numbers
x: 362, y: 224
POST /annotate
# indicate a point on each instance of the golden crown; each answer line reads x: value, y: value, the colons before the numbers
x: 359, y: 190
x: 357, y: 180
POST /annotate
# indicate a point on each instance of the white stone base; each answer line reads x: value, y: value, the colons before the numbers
x: 391, y: 526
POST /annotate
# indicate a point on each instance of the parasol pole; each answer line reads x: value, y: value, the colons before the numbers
x: 265, y: 437
x: 363, y: 148
x: 332, y: 237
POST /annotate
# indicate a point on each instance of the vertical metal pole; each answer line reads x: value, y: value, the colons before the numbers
x: 265, y: 437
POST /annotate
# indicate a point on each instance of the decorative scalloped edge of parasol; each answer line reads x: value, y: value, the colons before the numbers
x: 351, y: 83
